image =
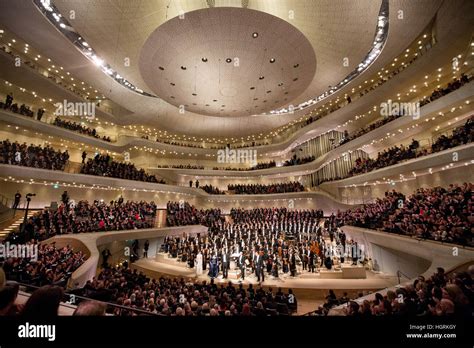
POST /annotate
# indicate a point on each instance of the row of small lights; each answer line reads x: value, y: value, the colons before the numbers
x: 57, y: 184
x: 184, y: 137
x: 53, y: 68
x: 63, y: 142
x: 390, y: 135
x: 328, y: 105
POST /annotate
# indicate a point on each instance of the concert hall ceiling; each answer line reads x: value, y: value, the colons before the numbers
x: 218, y: 68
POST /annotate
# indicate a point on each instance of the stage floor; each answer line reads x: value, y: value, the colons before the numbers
x: 163, y: 265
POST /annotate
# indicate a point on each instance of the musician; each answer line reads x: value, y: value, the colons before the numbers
x: 225, y: 259
x: 199, y: 263
x: 310, y: 260
x: 293, y: 264
x: 241, y: 263
x: 275, y: 266
x: 354, y: 254
x: 213, y: 266
x: 305, y: 260
x: 259, y: 266
x: 328, y: 262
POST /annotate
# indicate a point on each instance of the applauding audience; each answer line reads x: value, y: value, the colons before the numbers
x: 181, y: 214
x: 256, y: 189
x: 104, y: 165
x: 439, y: 295
x: 212, y: 190
x: 77, y: 127
x: 179, y: 297
x: 444, y: 215
x: 53, y: 265
x: 396, y: 154
x: 294, y: 161
x: 34, y: 156
x: 86, y: 217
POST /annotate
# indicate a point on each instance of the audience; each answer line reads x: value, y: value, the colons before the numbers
x: 255, y: 189
x: 180, y: 297
x: 52, y: 266
x: 34, y: 156
x: 396, y: 154
x: 87, y: 217
x: 440, y: 214
x: 452, y: 86
x: 104, y: 165
x: 181, y: 214
x: 439, y: 295
x: 294, y: 161
x: 77, y: 127
x: 346, y: 138
x: 212, y: 190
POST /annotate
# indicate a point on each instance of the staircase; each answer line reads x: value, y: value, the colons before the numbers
x: 15, y: 225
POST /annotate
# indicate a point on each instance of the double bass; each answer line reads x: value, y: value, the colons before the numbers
x: 314, y: 247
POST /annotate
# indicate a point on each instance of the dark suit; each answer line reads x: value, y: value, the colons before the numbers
x: 225, y: 264
x: 241, y: 262
x: 259, y: 268
x: 311, y: 262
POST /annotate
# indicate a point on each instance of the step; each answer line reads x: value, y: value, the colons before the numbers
x: 164, y: 259
x: 330, y: 274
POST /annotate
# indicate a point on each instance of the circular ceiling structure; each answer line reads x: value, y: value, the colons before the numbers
x: 227, y: 61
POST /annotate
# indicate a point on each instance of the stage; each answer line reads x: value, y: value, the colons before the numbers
x: 348, y: 277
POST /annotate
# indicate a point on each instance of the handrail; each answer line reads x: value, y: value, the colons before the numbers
x: 400, y: 273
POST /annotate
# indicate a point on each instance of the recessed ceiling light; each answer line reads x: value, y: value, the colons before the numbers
x: 272, y: 60
x: 296, y: 65
x: 228, y: 60
x: 161, y: 68
x: 255, y: 35
x: 261, y: 77
x: 204, y: 59
x: 183, y: 67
